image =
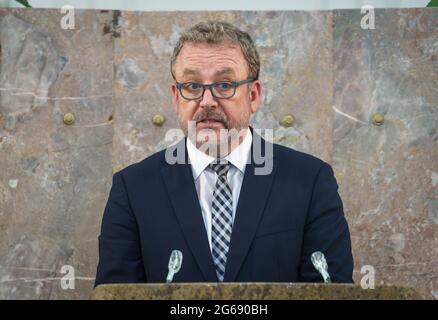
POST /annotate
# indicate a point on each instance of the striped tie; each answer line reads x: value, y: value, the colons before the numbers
x: 222, y: 218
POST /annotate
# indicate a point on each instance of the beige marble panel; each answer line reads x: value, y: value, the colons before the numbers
x: 54, y: 178
x: 388, y: 173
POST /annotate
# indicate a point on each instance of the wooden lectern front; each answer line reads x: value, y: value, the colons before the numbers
x: 250, y: 291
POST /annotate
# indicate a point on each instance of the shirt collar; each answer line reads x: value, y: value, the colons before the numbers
x: 238, y: 157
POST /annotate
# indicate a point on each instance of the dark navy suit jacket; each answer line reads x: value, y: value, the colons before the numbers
x: 281, y: 219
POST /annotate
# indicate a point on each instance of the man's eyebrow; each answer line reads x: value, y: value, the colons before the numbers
x: 226, y: 71
x: 189, y: 72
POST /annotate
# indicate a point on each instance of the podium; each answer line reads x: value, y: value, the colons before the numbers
x: 250, y: 291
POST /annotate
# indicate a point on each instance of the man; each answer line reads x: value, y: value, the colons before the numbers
x: 228, y: 222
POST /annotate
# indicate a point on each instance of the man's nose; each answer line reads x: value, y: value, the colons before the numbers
x: 208, y: 100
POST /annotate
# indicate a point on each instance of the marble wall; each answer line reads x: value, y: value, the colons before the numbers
x: 112, y: 73
x: 388, y: 174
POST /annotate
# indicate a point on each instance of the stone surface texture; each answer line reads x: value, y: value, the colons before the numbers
x: 112, y: 73
x: 250, y: 291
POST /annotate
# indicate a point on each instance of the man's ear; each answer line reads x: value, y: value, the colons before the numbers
x: 255, y: 95
x: 174, y: 93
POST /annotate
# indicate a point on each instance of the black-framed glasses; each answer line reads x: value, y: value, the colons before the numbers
x: 219, y: 90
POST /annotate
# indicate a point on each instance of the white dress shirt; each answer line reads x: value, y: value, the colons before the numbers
x: 205, y: 178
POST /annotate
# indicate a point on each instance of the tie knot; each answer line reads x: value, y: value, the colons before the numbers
x: 220, y: 168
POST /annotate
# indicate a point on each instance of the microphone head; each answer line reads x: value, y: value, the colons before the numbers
x: 318, y: 261
x: 175, y: 261
x: 320, y: 264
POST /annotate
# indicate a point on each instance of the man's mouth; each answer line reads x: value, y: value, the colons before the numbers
x: 210, y: 121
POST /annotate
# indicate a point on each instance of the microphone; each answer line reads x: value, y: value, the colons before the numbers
x: 320, y: 264
x: 175, y: 262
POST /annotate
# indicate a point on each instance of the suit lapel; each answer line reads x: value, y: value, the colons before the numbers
x: 181, y: 188
x: 252, y: 199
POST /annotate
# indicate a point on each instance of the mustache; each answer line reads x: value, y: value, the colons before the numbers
x: 208, y: 114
